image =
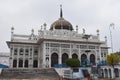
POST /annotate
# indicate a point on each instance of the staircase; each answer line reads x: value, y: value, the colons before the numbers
x: 29, y: 74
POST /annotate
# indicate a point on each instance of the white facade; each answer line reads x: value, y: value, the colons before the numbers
x: 110, y: 72
x: 4, y: 58
x: 54, y: 46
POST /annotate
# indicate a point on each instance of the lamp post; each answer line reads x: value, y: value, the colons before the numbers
x: 111, y: 26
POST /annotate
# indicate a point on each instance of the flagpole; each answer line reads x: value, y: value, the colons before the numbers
x: 111, y: 26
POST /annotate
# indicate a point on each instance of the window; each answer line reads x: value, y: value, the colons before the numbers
x: 35, y: 63
x: 30, y: 51
x: 83, y: 46
x: 35, y: 52
x: 20, y: 63
x: 14, y: 63
x: 55, y: 45
x: 26, y: 63
x: 77, y: 46
x: 26, y: 52
x: 91, y: 47
x: 102, y: 54
x: 21, y: 51
x: 15, y: 51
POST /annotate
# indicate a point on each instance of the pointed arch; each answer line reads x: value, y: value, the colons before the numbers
x: 106, y: 73
x: 26, y: 63
x: 35, y: 63
x: 110, y: 73
x: 116, y: 70
x: 20, y: 63
x: 64, y: 57
x: 14, y: 63
x: 75, y: 56
x: 92, y: 59
x: 54, y: 59
x: 102, y: 73
x: 83, y: 59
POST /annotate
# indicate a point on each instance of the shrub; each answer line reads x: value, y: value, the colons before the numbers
x: 72, y: 62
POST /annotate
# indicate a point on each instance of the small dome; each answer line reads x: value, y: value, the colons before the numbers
x: 61, y: 23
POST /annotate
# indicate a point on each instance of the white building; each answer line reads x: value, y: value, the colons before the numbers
x: 4, y: 58
x: 54, y: 46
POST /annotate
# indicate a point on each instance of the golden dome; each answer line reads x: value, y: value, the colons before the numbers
x: 61, y: 23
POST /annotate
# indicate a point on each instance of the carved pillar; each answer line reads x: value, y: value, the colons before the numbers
x: 60, y: 55
x: 44, y: 55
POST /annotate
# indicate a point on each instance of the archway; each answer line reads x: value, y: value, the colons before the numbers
x: 54, y: 59
x: 15, y: 63
x: 26, y: 63
x: 83, y: 59
x: 35, y: 63
x: 75, y: 56
x: 92, y: 59
x: 20, y: 63
x: 110, y: 73
x: 116, y: 70
x: 106, y: 73
x: 102, y: 73
x: 64, y: 57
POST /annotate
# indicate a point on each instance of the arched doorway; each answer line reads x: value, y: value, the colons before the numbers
x: 35, y: 63
x: 102, y: 73
x: 54, y: 59
x: 116, y: 70
x: 83, y: 59
x: 15, y: 63
x: 110, y: 73
x: 26, y: 63
x: 64, y: 57
x: 75, y: 56
x: 92, y: 59
x: 20, y: 63
x: 106, y: 73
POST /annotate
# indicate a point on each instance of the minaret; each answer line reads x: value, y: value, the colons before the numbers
x: 12, y: 32
x: 44, y: 26
x: 32, y: 31
x: 83, y: 31
x: 61, y: 14
x: 41, y: 27
x: 77, y: 28
x: 98, y: 34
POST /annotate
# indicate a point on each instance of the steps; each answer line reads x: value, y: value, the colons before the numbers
x: 39, y: 74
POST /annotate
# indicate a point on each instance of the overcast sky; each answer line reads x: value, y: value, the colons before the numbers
x: 25, y: 15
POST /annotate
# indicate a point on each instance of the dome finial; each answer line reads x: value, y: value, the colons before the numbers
x: 61, y: 14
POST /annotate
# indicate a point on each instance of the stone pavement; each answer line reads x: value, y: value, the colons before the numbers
x: 29, y: 74
x: 107, y: 79
x: 94, y: 79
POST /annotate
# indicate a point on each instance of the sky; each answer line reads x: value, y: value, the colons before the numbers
x: 25, y: 15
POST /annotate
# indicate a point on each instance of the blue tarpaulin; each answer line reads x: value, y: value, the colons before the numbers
x: 60, y: 65
x: 3, y: 66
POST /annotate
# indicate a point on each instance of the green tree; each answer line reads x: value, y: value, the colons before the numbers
x: 72, y: 62
x: 113, y: 59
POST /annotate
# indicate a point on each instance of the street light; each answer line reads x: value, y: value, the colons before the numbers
x: 111, y: 26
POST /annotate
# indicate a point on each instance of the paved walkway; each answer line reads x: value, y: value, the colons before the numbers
x: 94, y: 79
x: 107, y: 79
